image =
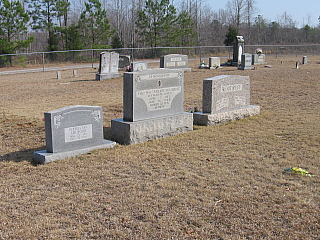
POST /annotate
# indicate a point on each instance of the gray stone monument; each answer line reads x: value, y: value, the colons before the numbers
x: 72, y: 131
x: 246, y: 60
x: 305, y: 60
x: 175, y: 61
x: 238, y: 50
x: 214, y: 62
x: 152, y: 106
x: 124, y: 61
x: 139, y: 66
x: 108, y: 67
x: 258, y: 59
x: 225, y: 98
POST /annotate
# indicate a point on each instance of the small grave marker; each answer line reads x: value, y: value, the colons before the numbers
x: 246, y: 60
x: 72, y: 131
x: 175, y: 61
x: 214, y: 62
x: 124, y: 61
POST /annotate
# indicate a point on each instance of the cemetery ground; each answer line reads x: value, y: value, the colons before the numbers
x: 218, y: 182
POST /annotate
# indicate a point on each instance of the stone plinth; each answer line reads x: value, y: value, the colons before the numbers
x: 127, y: 133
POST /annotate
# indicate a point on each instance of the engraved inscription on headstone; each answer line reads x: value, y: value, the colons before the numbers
x: 258, y: 59
x: 225, y: 93
x: 225, y: 98
x: 174, y: 61
x: 71, y: 131
x: 246, y: 61
x: 152, y: 93
x: 108, y: 67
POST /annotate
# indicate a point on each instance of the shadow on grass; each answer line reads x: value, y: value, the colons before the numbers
x: 20, y: 156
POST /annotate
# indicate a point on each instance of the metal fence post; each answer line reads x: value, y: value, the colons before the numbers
x: 43, y: 62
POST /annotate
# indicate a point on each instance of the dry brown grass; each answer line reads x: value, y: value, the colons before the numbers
x: 220, y: 182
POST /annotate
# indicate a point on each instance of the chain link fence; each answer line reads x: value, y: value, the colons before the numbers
x: 91, y: 56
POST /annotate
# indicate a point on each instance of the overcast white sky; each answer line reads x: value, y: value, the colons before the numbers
x: 302, y: 11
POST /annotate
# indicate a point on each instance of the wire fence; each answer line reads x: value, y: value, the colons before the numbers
x: 91, y: 56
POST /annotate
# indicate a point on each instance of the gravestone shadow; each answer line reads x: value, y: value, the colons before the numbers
x: 20, y: 156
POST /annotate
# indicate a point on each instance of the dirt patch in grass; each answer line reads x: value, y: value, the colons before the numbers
x: 219, y: 182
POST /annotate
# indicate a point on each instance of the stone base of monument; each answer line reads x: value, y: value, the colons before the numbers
x: 128, y: 133
x: 210, y: 119
x: 105, y: 76
x: 42, y: 157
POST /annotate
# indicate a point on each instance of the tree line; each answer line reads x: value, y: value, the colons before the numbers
x: 51, y: 25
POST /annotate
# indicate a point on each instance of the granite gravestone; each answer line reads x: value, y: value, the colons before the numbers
x: 225, y: 98
x: 214, y: 62
x: 72, y: 131
x: 124, y: 61
x: 139, y: 66
x: 258, y: 59
x: 152, y: 106
x: 108, y: 67
x: 246, y: 60
x: 238, y: 49
x: 175, y: 61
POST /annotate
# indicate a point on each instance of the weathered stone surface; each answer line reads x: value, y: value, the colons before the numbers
x: 108, y: 67
x: 225, y: 98
x: 124, y: 61
x: 246, y: 61
x: 175, y: 61
x: 127, y: 133
x: 152, y: 93
x: 214, y: 62
x: 258, y: 59
x: 208, y: 119
x: 225, y: 93
x: 72, y: 130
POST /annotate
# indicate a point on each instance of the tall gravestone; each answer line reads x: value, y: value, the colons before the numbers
x: 108, y: 67
x: 152, y: 106
x: 246, y: 61
x: 225, y: 98
x: 305, y: 60
x: 238, y: 50
x: 72, y: 131
x: 175, y: 61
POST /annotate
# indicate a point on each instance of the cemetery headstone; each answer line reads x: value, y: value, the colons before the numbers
x: 72, y: 131
x: 305, y: 60
x: 175, y: 61
x: 214, y: 62
x: 58, y: 75
x: 75, y: 73
x: 225, y: 98
x: 238, y: 50
x: 108, y: 67
x: 124, y: 61
x: 152, y: 106
x: 246, y: 60
x: 139, y: 66
x: 258, y: 59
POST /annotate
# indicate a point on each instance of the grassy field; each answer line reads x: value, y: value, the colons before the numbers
x: 220, y: 182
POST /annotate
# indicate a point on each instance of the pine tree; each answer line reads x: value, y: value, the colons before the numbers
x: 230, y: 36
x: 13, y: 23
x: 94, y: 25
